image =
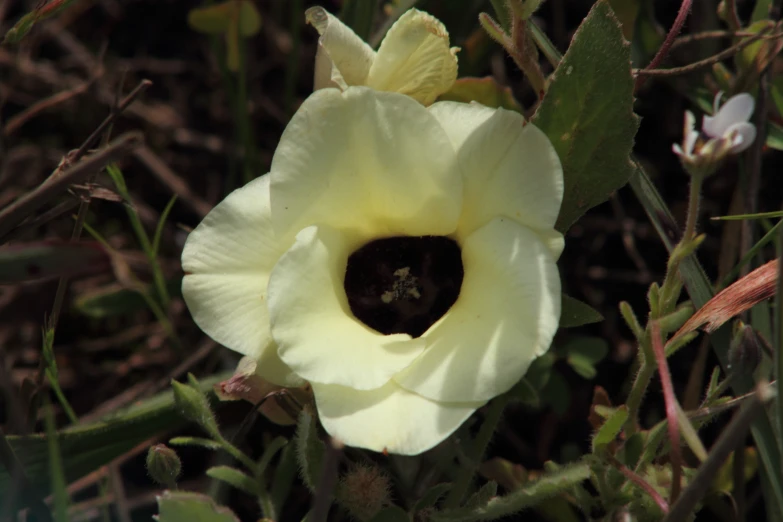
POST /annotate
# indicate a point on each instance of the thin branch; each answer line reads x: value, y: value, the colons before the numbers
x: 682, y: 15
x: 17, y: 211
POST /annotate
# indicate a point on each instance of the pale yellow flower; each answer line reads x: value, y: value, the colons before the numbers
x: 400, y: 259
x: 414, y: 58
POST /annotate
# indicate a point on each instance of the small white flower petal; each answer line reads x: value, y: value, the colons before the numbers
x: 742, y: 136
x: 227, y: 260
x: 415, y: 59
x: 506, y: 315
x: 378, y: 156
x: 388, y: 418
x: 316, y: 333
x: 342, y: 58
x: 510, y: 168
x: 738, y: 109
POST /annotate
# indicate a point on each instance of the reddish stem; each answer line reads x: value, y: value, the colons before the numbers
x: 674, y: 32
x: 671, y: 410
x: 639, y: 481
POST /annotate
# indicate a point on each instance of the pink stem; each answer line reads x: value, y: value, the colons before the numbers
x: 639, y: 481
x: 671, y: 410
x: 674, y: 32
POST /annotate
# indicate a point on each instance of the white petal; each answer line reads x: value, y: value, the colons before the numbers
x: 459, y: 120
x: 227, y: 260
x: 690, y: 134
x: 506, y: 315
x: 742, y: 135
x: 345, y: 56
x: 368, y: 159
x: 738, y: 109
x: 389, y: 418
x: 415, y: 59
x: 510, y: 169
x: 312, y: 323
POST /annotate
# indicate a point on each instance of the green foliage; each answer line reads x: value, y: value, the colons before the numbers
x: 235, y: 478
x: 391, y: 514
x: 194, y: 406
x: 587, y: 113
x: 583, y: 353
x: 191, y: 507
x: 309, y: 449
x: 195, y: 441
x: 85, y: 448
x: 486, y: 91
x: 116, y: 301
x: 530, y: 494
x: 56, y: 472
x: 359, y: 16
x: 610, y: 429
x: 576, y: 313
x: 40, y: 13
x: 431, y: 497
x: 163, y: 465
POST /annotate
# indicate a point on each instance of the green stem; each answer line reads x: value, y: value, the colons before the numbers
x: 640, y: 384
x: 236, y: 453
x: 465, y: 474
x: 693, y: 209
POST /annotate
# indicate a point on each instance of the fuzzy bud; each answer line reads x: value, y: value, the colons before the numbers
x: 745, y: 349
x: 163, y: 465
x: 364, y: 491
x: 194, y: 406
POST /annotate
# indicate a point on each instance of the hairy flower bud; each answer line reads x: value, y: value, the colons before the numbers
x: 194, y: 406
x: 163, y: 465
x: 364, y: 491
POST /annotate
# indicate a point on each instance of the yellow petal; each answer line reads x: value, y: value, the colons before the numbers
x: 342, y: 58
x: 415, y: 59
x: 365, y: 159
x: 316, y: 333
x: 227, y: 260
x: 506, y: 315
x: 389, y: 418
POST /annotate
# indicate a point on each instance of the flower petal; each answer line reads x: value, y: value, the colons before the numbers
x: 378, y: 155
x: 342, y: 58
x: 510, y: 169
x: 415, y: 59
x: 738, y: 109
x: 312, y: 323
x: 227, y: 260
x: 742, y: 136
x: 459, y: 120
x: 389, y: 418
x: 505, y: 316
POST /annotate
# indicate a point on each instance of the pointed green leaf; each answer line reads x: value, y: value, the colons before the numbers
x: 431, y: 497
x: 196, y: 441
x: 236, y: 478
x: 583, y: 353
x: 483, y: 496
x: 587, y: 113
x: 487, y: 91
x: 609, y: 430
x: 309, y: 449
x: 576, y: 313
x: 176, y: 506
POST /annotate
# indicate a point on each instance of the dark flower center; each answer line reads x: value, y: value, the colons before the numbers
x: 403, y: 284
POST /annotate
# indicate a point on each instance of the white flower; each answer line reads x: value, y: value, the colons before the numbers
x: 377, y: 207
x: 414, y: 58
x: 726, y: 132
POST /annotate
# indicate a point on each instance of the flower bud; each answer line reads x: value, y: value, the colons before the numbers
x: 364, y: 491
x: 194, y: 406
x: 163, y: 465
x: 745, y: 349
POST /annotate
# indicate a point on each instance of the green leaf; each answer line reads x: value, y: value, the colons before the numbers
x: 761, y: 10
x: 557, y: 393
x: 194, y: 405
x: 632, y: 450
x: 61, y: 499
x: 431, y: 497
x: 113, y: 301
x: 483, y: 496
x: 531, y: 494
x: 540, y: 370
x: 270, y: 451
x: 309, y: 449
x: 196, y: 441
x: 609, y: 430
x: 775, y: 136
x: 487, y: 91
x: 587, y: 113
x: 23, y: 26
x: 86, y: 448
x: 236, y: 478
x: 47, y: 259
x: 175, y: 506
x: 525, y: 392
x: 576, y: 313
x: 583, y: 353
x: 391, y: 514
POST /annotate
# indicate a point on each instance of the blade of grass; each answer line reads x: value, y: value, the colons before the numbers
x: 51, y: 374
x: 161, y: 222
x: 769, y: 236
x: 56, y: 472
